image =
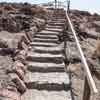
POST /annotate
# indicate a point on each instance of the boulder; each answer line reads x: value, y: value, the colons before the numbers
x: 21, y: 56
x: 11, y: 40
x: 72, y: 52
x: 5, y: 94
x: 3, y: 43
x: 20, y: 85
x: 75, y: 68
x: 18, y: 64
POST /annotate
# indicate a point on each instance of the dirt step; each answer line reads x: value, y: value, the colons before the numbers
x: 46, y: 95
x: 47, y: 81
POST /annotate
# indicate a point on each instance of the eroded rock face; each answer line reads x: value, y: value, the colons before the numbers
x: 18, y: 22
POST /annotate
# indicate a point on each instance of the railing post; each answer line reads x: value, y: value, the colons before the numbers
x: 68, y: 6
x: 87, y: 91
x: 55, y: 4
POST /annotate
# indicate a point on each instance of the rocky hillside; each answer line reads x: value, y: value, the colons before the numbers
x: 19, y: 22
x: 87, y: 27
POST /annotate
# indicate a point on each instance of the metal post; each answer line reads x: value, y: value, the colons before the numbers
x: 68, y: 6
x: 87, y: 91
x: 55, y: 4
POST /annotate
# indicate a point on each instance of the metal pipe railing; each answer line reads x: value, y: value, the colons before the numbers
x: 86, y: 67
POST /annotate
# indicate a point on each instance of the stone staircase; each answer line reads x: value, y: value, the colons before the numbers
x: 46, y: 78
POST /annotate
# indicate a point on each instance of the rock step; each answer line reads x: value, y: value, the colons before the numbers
x: 58, y: 24
x: 54, y: 18
x: 43, y: 44
x: 51, y: 34
x: 45, y: 37
x: 60, y: 19
x: 47, y: 41
x: 49, y: 52
x: 34, y: 54
x: 57, y: 60
x: 46, y: 95
x: 47, y: 32
x: 47, y: 81
x: 59, y: 47
x: 54, y: 29
x: 45, y: 67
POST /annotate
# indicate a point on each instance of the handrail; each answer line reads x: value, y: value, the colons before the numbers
x: 83, y: 59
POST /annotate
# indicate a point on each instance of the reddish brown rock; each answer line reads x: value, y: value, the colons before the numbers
x: 9, y: 95
x: 19, y: 83
x: 19, y: 72
x: 29, y: 36
x: 22, y: 45
x: 21, y: 56
x: 19, y: 65
x: 75, y: 68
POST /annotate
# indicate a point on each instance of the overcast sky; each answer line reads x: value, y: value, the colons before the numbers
x: 88, y: 5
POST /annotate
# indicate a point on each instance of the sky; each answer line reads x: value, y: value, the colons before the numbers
x: 87, y: 5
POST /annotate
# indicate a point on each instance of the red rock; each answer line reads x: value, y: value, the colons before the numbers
x: 22, y: 45
x: 22, y: 52
x: 9, y: 95
x: 20, y: 73
x: 20, y: 58
x: 19, y: 83
x: 29, y: 36
x: 19, y: 65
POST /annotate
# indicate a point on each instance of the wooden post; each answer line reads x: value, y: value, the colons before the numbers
x: 87, y: 91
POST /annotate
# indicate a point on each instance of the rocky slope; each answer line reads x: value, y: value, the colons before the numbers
x: 19, y: 22
x: 87, y: 28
